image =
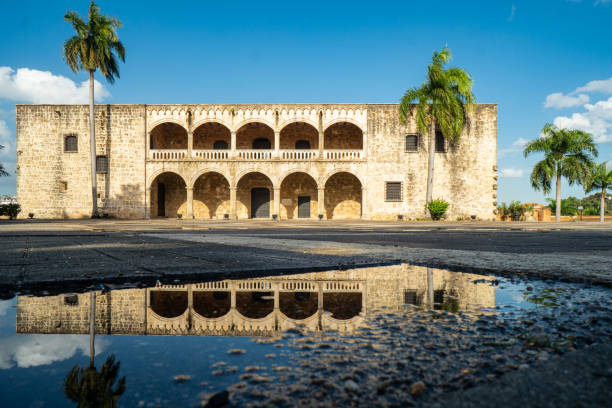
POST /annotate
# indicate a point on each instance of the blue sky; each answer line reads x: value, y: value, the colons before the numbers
x: 541, y: 61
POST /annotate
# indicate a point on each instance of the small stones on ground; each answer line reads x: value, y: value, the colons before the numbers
x: 523, y: 366
x: 417, y: 389
x: 351, y: 386
x: 498, y: 358
x: 181, y: 378
x: 270, y: 355
x: 236, y: 351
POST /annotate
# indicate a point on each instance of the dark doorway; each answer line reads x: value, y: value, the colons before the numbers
x: 260, y: 203
x: 303, y: 206
x: 161, y: 200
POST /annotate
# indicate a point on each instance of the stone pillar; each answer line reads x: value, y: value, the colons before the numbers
x: 147, y: 145
x: 364, y: 202
x: 321, y: 144
x: 189, y: 202
x: 276, y: 144
x: 233, y: 145
x: 232, y: 295
x: 365, y: 145
x: 277, y: 202
x: 147, y: 209
x: 189, y: 143
x: 233, y: 191
x: 320, y: 305
x: 321, y: 202
x: 276, y: 296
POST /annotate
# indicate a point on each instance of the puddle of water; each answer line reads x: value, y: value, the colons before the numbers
x: 355, y: 336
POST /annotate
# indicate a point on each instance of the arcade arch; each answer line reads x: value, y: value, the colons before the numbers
x: 343, y: 194
x: 211, y: 196
x: 168, y: 135
x: 168, y: 196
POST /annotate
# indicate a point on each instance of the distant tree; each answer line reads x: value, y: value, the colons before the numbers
x: 3, y: 172
x: 95, y: 46
x: 600, y: 179
x: 443, y: 101
x: 567, y: 153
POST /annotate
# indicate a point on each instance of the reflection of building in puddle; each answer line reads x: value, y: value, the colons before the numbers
x: 320, y: 301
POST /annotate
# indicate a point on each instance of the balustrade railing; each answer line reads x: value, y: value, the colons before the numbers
x: 254, y: 154
x: 211, y: 154
x: 343, y: 154
x: 167, y: 154
x: 299, y: 154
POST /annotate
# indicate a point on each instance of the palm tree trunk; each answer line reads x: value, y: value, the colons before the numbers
x: 430, y: 163
x: 602, y: 205
x: 92, y: 147
x: 558, y: 207
x: 92, y: 328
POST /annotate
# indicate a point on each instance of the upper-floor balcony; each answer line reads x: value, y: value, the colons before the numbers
x: 256, y: 141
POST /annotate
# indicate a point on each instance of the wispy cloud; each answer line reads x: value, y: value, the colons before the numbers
x: 517, y: 146
x: 560, y: 101
x: 511, y: 173
x: 512, y: 13
x: 34, y: 86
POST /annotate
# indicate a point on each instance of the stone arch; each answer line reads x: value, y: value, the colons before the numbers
x: 161, y: 121
x: 323, y: 180
x: 298, y: 130
x: 208, y: 132
x: 343, y: 134
x: 211, y: 195
x: 168, y: 195
x: 249, y: 131
x: 343, y: 196
x: 343, y: 305
x: 156, y: 173
x: 254, y: 304
x: 205, y: 170
x: 299, y: 195
x: 168, y: 135
x: 211, y: 304
x: 246, y: 183
x: 168, y: 303
x: 298, y: 305
x: 203, y: 121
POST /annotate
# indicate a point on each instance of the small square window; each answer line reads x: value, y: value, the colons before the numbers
x: 412, y: 143
x: 63, y: 186
x: 102, y: 164
x: 440, y: 142
x: 410, y: 297
x: 393, y: 191
x: 71, y: 143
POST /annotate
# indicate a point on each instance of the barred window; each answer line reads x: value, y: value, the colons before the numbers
x: 410, y: 297
x: 393, y: 191
x: 412, y: 143
x: 71, y: 143
x: 440, y: 142
x: 102, y: 164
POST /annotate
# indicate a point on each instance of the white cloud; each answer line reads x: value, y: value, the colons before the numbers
x: 512, y: 13
x: 34, y: 86
x: 5, y: 139
x: 43, y: 349
x: 596, y: 120
x: 517, y: 146
x: 559, y: 101
x: 5, y: 305
x: 511, y: 173
x: 604, y: 86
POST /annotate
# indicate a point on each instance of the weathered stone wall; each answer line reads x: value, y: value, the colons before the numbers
x: 465, y: 175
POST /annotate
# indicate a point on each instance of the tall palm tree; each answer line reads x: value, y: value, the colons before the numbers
x: 3, y: 172
x: 92, y: 388
x: 600, y: 179
x: 567, y: 153
x: 95, y: 46
x: 443, y: 101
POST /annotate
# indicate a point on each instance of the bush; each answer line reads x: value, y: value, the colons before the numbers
x: 437, y: 208
x: 11, y: 210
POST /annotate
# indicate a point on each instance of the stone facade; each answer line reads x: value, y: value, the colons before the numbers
x: 204, y: 160
x: 334, y: 300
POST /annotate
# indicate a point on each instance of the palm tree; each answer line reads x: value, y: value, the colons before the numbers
x: 94, y: 47
x: 92, y: 388
x: 567, y: 153
x: 442, y: 101
x: 3, y: 172
x: 600, y: 179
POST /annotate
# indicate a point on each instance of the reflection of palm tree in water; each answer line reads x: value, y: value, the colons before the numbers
x: 89, y: 387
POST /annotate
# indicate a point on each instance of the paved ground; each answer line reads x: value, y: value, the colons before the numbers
x: 35, y: 252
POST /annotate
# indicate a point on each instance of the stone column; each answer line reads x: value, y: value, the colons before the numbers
x: 277, y: 202
x: 233, y: 145
x: 364, y: 203
x: 147, y: 209
x: 189, y: 143
x: 365, y: 145
x: 189, y: 202
x: 321, y: 144
x: 321, y: 202
x: 233, y: 191
x: 276, y: 145
x: 147, y: 145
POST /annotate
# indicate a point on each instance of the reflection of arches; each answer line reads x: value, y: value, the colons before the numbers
x: 248, y: 133
x: 343, y: 196
x: 168, y: 303
x: 343, y: 135
x: 246, y: 184
x: 210, y: 304
x: 342, y: 305
x: 299, y: 196
x: 298, y: 305
x: 211, y: 195
x: 255, y: 305
x: 302, y: 132
x: 168, y: 195
x: 168, y: 135
x: 207, y: 134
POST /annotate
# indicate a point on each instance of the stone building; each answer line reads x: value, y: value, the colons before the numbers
x: 319, y: 301
x: 330, y: 161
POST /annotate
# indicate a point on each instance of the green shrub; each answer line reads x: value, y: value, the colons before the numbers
x: 11, y: 210
x: 437, y: 208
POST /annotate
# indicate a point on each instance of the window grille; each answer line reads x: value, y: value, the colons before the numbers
x: 412, y: 143
x: 101, y: 164
x: 410, y: 297
x: 440, y: 142
x: 393, y: 191
x: 71, y: 143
